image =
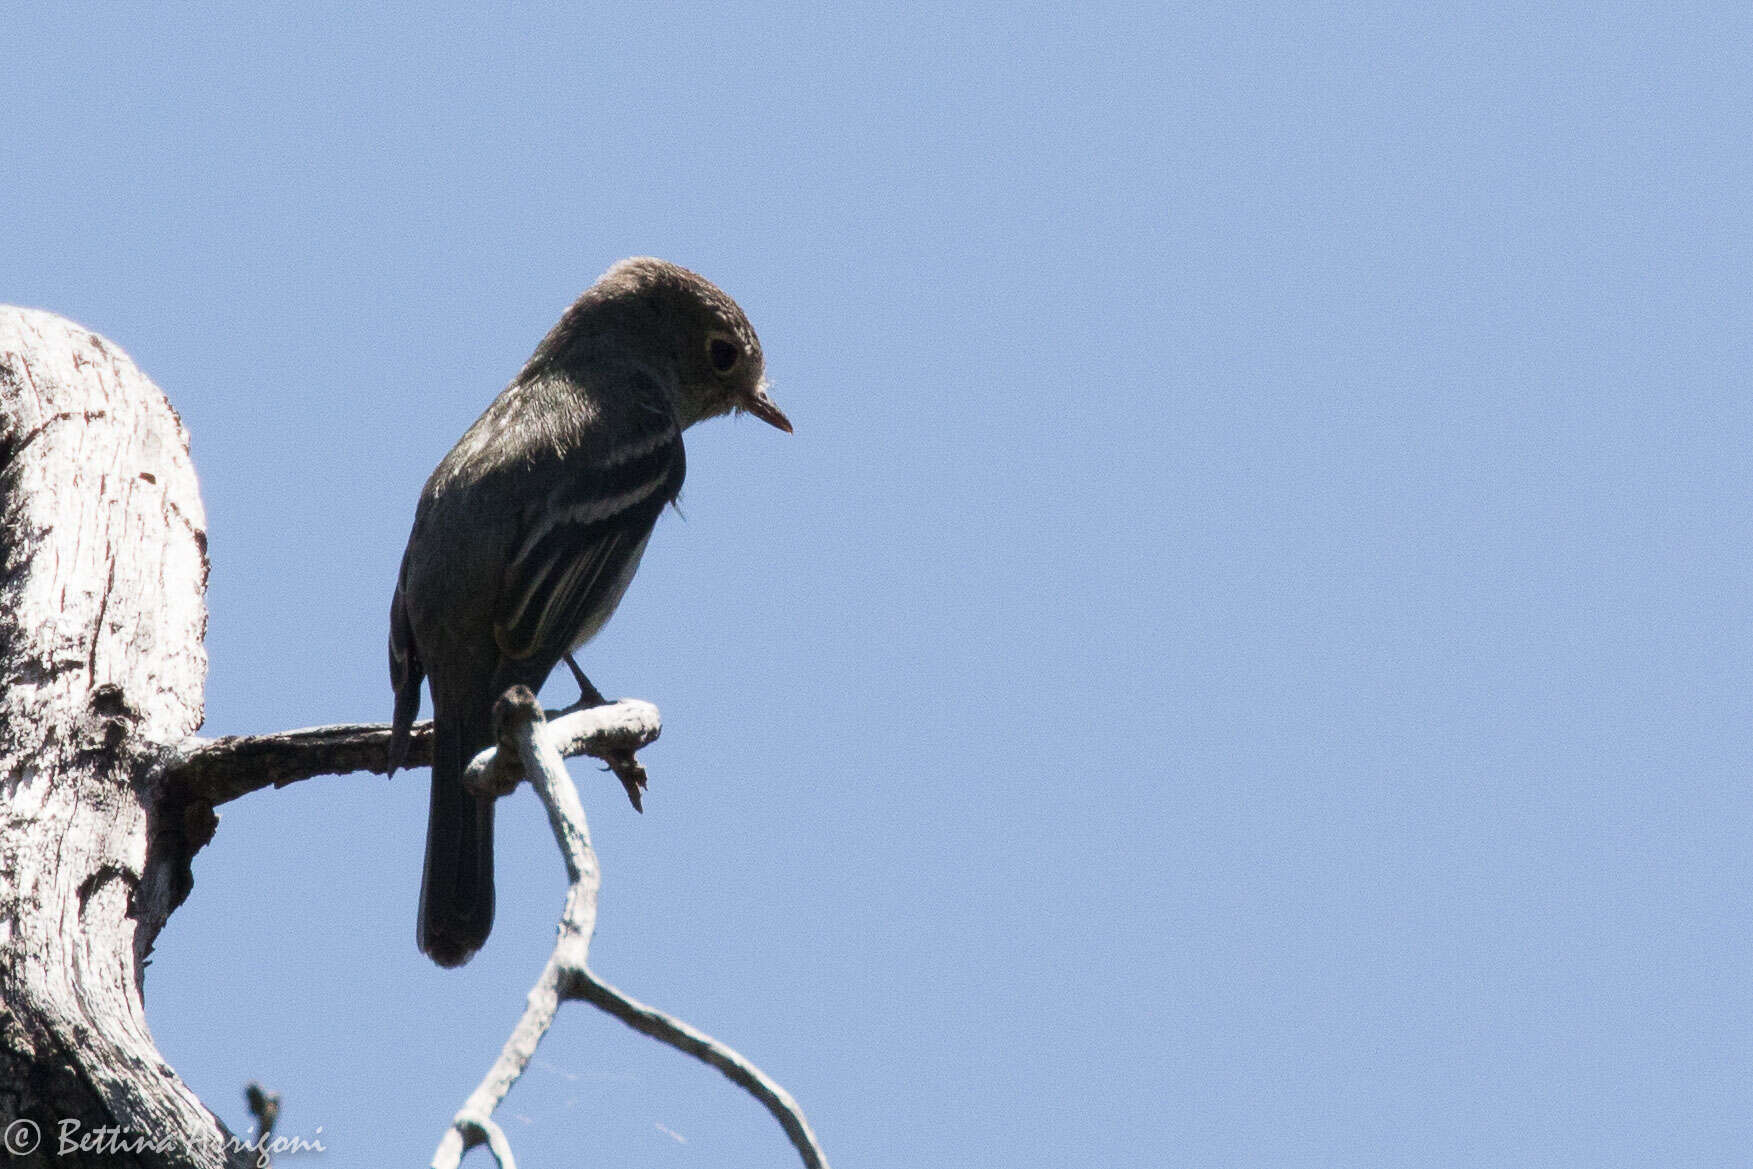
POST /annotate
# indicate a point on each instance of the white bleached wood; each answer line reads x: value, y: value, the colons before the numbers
x: 103, y: 564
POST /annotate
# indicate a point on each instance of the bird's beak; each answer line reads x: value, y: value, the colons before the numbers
x: 762, y: 407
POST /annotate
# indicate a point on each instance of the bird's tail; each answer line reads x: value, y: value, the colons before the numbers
x: 456, y: 891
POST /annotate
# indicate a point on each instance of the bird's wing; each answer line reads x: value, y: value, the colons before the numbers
x: 580, y: 545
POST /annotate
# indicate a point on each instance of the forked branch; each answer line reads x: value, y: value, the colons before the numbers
x: 525, y: 735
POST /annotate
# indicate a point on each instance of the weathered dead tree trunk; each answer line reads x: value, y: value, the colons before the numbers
x: 103, y: 566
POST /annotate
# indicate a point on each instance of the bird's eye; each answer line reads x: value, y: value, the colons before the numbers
x: 723, y: 354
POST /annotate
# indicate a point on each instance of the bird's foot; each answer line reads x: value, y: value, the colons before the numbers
x: 622, y: 761
x: 588, y: 695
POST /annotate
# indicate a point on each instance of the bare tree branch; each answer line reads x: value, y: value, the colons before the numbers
x: 567, y: 974
x: 216, y: 771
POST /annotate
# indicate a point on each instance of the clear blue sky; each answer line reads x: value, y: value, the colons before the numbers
x: 1245, y: 661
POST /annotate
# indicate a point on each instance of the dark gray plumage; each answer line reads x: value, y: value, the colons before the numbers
x: 530, y: 529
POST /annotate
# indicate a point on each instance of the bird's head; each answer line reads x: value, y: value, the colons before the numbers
x: 684, y: 320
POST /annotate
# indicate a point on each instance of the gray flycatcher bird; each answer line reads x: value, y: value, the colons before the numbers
x: 529, y: 530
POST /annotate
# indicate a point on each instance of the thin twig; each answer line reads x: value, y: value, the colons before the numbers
x: 587, y: 987
x: 265, y: 1107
